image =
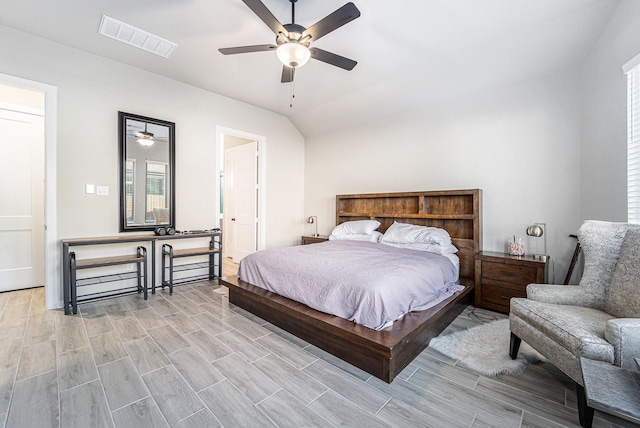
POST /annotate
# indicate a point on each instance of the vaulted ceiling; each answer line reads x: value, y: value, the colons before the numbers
x: 410, y: 52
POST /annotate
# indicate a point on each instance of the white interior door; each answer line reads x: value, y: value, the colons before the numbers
x: 22, y: 196
x: 241, y: 215
x: 228, y: 227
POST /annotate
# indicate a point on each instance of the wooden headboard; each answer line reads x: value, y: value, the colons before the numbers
x: 459, y: 212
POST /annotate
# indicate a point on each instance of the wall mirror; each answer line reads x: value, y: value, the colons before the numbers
x: 147, y: 173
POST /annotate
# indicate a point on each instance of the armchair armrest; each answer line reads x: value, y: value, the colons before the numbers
x: 560, y: 294
x: 624, y: 335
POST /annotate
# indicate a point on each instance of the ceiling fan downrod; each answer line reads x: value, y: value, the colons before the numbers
x: 293, y: 11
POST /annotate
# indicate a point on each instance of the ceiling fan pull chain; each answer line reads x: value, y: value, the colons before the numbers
x: 292, y: 95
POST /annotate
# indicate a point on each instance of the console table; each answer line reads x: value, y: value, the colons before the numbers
x: 69, y: 294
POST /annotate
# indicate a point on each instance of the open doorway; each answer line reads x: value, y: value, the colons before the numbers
x: 241, y: 174
x: 28, y: 247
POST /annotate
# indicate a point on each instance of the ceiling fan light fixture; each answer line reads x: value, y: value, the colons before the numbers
x: 293, y: 54
x: 145, y: 138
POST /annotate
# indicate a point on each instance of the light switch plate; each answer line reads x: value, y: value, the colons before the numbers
x: 89, y: 188
x: 102, y: 190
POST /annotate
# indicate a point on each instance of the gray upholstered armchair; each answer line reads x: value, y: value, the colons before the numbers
x: 598, y: 319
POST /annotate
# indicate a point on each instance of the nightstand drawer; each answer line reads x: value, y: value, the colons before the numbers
x: 507, y: 272
x: 499, y: 293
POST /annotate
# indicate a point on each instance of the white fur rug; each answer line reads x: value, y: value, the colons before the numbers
x: 485, y: 349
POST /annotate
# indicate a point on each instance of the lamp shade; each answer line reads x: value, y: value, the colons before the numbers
x: 293, y: 54
x: 535, y: 230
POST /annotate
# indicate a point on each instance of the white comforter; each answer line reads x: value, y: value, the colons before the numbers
x: 369, y: 283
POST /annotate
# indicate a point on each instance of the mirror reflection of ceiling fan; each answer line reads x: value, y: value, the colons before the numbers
x: 142, y: 131
x: 293, y: 40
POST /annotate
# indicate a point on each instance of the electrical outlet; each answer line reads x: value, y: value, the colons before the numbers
x: 131, y: 267
x: 102, y: 190
x: 89, y: 188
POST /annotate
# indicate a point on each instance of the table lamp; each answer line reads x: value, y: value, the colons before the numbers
x: 313, y: 220
x: 538, y: 235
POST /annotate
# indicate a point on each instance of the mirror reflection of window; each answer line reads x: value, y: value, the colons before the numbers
x: 156, y: 193
x: 130, y: 183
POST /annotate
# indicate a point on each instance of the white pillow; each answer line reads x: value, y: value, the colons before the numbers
x: 403, y: 233
x: 431, y: 248
x: 373, y: 237
x: 357, y: 227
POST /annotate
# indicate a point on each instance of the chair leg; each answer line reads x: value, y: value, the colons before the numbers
x: 585, y: 413
x: 514, y: 346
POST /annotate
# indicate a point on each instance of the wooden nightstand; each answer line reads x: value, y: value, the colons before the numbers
x: 499, y: 277
x: 313, y: 239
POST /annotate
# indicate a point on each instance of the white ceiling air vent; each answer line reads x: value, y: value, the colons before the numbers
x: 133, y: 36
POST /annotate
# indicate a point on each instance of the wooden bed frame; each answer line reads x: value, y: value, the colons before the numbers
x: 386, y: 352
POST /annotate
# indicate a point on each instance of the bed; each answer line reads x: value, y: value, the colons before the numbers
x: 382, y: 353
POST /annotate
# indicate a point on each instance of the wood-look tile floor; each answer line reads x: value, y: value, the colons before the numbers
x: 194, y: 360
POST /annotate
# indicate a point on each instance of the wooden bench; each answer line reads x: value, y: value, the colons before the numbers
x: 140, y: 259
x: 168, y: 266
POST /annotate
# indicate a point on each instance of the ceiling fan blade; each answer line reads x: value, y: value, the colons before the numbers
x: 267, y: 17
x: 333, y: 59
x: 287, y: 74
x: 247, y: 49
x: 337, y: 19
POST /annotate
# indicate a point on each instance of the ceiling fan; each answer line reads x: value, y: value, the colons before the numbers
x: 293, y: 40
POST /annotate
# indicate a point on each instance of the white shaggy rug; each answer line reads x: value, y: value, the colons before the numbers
x: 485, y: 349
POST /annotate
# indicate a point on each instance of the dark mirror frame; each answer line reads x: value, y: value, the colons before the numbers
x: 122, y: 158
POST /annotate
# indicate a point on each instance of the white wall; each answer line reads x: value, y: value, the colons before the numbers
x: 520, y: 144
x: 91, y: 91
x: 604, y: 116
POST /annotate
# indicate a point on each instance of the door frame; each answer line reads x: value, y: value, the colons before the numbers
x: 221, y: 131
x: 52, y: 272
